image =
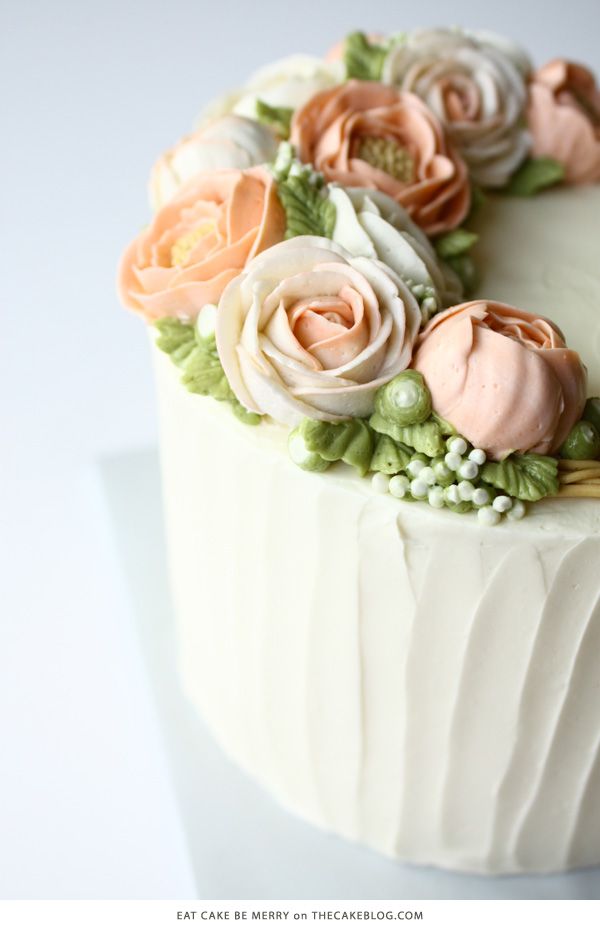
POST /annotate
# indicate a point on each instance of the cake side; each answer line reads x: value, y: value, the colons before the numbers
x: 344, y: 655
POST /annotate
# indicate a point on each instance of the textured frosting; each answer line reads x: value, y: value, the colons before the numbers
x: 432, y: 690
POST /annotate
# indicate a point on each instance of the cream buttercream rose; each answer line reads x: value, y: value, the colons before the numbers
x: 367, y: 134
x: 564, y: 119
x: 199, y: 241
x: 475, y: 84
x: 288, y: 82
x: 370, y: 223
x: 223, y: 143
x: 502, y: 377
x: 308, y: 330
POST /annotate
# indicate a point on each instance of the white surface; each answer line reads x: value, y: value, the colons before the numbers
x: 91, y: 92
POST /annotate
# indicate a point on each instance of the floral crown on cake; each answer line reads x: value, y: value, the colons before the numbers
x: 310, y: 258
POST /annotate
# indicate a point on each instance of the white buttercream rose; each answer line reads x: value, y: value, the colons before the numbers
x: 475, y: 84
x: 309, y: 330
x: 289, y: 82
x: 223, y: 143
x: 371, y: 224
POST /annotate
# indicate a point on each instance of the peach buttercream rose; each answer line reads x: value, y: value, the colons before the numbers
x: 504, y: 378
x: 309, y: 330
x: 198, y: 242
x: 564, y: 119
x: 365, y: 134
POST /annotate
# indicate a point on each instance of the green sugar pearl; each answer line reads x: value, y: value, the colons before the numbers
x: 583, y: 442
x: 591, y: 412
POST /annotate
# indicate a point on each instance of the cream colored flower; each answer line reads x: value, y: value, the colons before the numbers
x: 475, y: 84
x: 225, y: 142
x: 310, y: 331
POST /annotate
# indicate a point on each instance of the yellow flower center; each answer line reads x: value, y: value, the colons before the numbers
x: 387, y: 155
x: 181, y: 248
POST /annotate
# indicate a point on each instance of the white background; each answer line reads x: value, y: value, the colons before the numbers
x: 91, y: 93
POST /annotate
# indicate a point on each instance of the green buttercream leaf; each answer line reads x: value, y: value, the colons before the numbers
x: 478, y: 200
x: 446, y: 428
x: 276, y: 118
x: 456, y: 242
x: 175, y: 338
x: 200, y: 363
x: 350, y: 441
x: 528, y: 477
x: 583, y: 442
x: 308, y: 210
x: 591, y: 412
x: 390, y: 457
x: 534, y: 175
x: 363, y: 59
x: 423, y: 437
x: 466, y: 269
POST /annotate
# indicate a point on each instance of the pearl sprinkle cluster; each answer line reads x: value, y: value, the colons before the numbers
x: 451, y: 481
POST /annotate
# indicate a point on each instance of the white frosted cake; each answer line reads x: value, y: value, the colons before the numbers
x: 399, y: 638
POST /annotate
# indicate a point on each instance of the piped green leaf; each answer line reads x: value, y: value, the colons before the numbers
x: 528, y: 477
x: 276, y: 118
x: 308, y: 210
x: 350, y: 441
x: 423, y: 437
x: 363, y: 59
x: 456, y: 242
x: 197, y: 357
x: 466, y: 269
x: 390, y: 457
x: 534, y: 175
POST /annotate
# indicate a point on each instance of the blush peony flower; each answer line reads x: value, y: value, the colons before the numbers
x: 199, y: 242
x: 475, y: 84
x: 564, y: 119
x: 504, y: 378
x: 310, y: 331
x: 223, y: 143
x: 365, y: 134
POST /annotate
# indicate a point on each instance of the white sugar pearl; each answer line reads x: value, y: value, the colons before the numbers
x: 457, y: 444
x: 415, y: 467
x: 207, y: 321
x: 480, y: 497
x: 436, y: 497
x: 453, y: 460
x: 380, y: 483
x: 418, y: 488
x: 427, y: 475
x: 468, y: 470
x: 399, y: 485
x: 451, y: 494
x: 478, y: 456
x: 487, y: 516
x: 502, y: 503
x: 517, y: 511
x: 465, y: 490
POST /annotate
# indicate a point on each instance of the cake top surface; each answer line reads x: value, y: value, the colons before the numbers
x: 316, y: 241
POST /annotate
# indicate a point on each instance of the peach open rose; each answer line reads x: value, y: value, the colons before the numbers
x: 365, y: 134
x: 308, y: 330
x: 564, y: 119
x: 198, y: 242
x: 502, y: 377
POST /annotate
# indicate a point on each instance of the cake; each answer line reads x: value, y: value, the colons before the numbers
x: 384, y: 566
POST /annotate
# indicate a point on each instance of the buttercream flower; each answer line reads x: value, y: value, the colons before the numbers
x: 564, y: 119
x: 365, y: 134
x: 200, y: 241
x: 475, y: 85
x: 226, y: 142
x: 370, y: 223
x: 289, y: 83
x: 310, y: 331
x: 504, y: 378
